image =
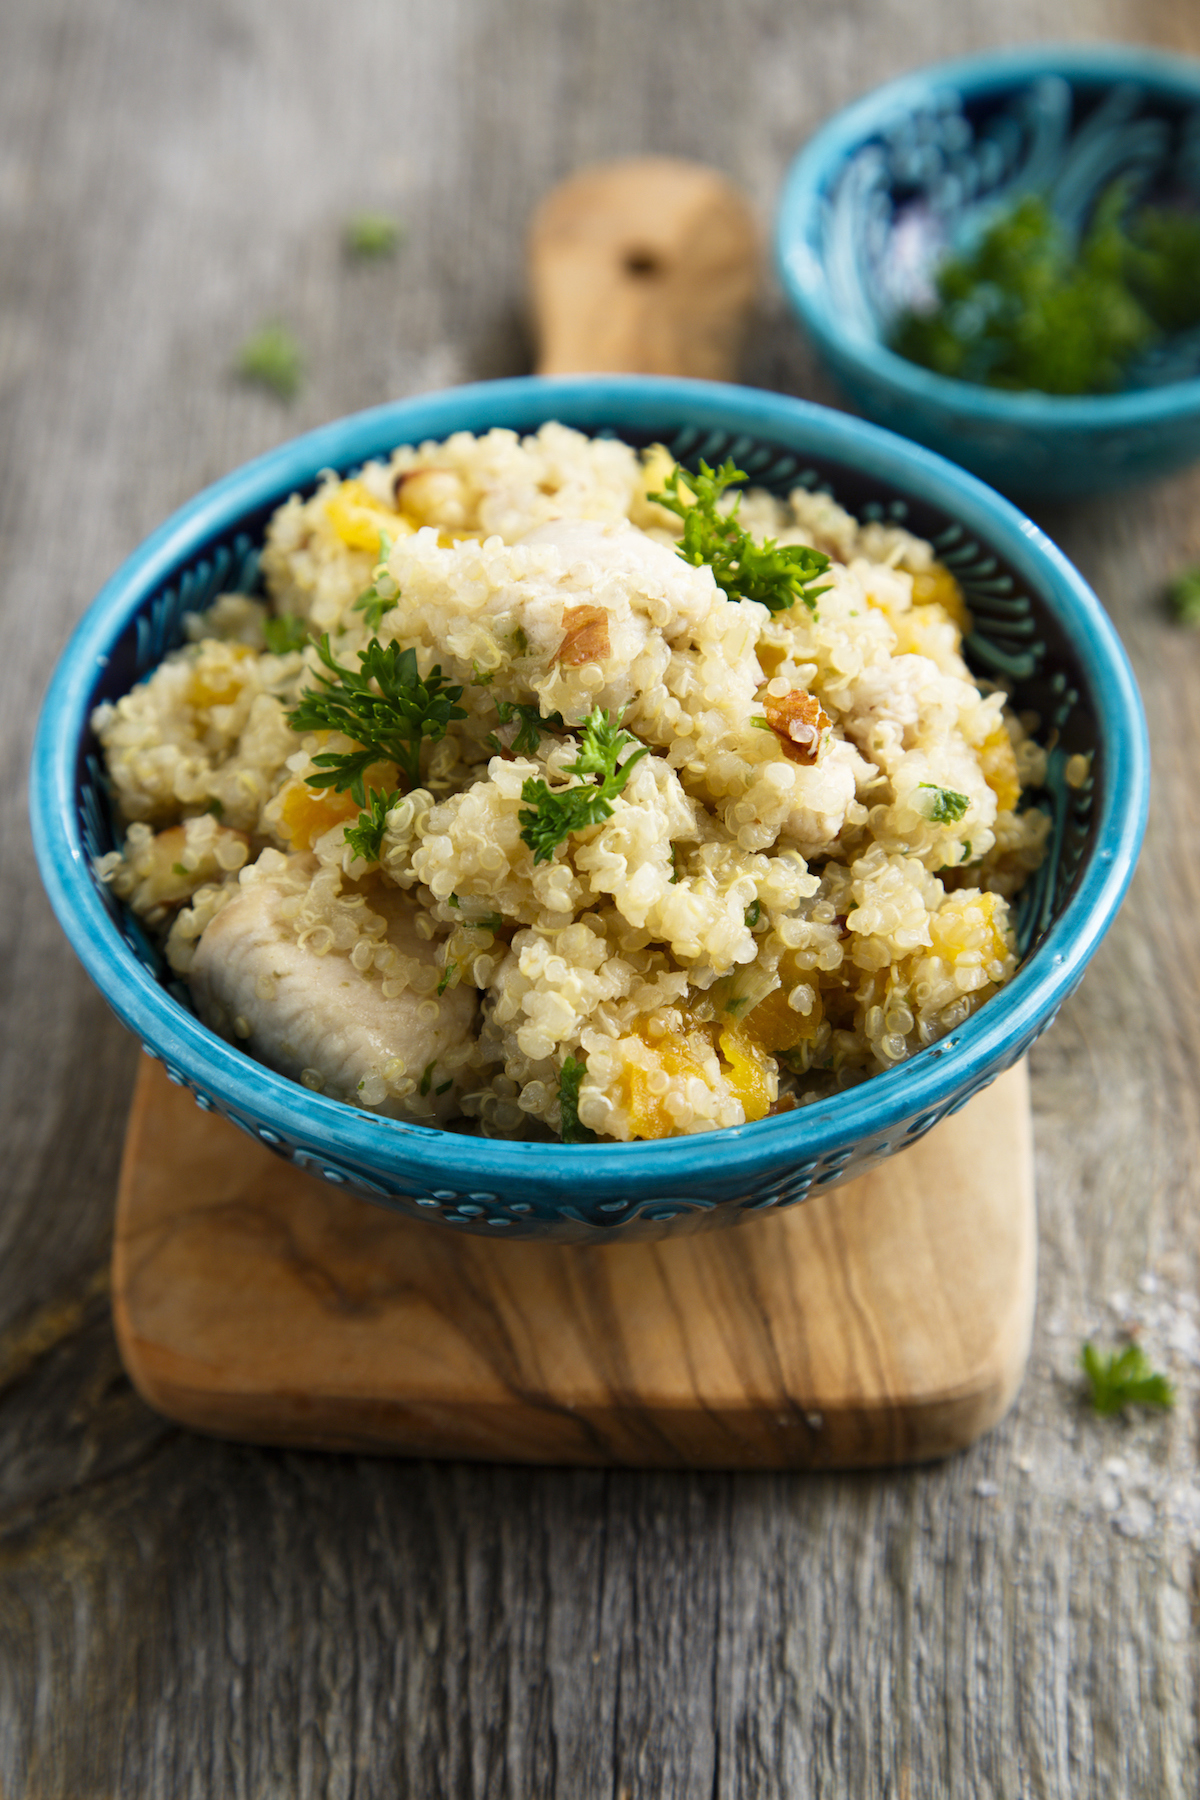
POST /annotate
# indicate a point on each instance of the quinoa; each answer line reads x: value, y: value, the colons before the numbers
x: 806, y: 880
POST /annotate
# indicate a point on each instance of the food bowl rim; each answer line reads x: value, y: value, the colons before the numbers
x: 798, y: 235
x: 934, y: 1078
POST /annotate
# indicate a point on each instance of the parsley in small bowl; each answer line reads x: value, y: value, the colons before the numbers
x: 1000, y: 257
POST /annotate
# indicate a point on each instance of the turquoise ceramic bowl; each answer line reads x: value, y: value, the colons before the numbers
x: 885, y: 186
x: 1038, y: 624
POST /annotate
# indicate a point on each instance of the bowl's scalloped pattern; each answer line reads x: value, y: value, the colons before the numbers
x: 483, y: 1210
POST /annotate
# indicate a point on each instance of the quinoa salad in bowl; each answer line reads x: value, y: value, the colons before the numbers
x: 555, y: 791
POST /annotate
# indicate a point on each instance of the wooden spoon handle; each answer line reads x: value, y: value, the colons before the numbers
x: 647, y: 266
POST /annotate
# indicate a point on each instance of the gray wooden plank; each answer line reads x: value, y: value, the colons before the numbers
x: 184, y: 1618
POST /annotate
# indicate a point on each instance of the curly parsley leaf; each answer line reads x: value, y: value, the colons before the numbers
x: 1124, y: 1378
x: 569, y: 1083
x: 946, y: 807
x: 776, y: 575
x: 550, y: 816
x: 373, y: 603
x: 385, y: 705
x: 532, y: 725
x: 366, y: 837
x: 284, y: 632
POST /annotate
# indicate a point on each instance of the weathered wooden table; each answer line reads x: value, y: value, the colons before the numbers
x: 181, y: 1617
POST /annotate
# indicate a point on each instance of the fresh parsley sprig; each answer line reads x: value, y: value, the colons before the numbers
x: 366, y: 838
x: 284, y: 632
x: 550, y: 816
x: 371, y: 603
x: 777, y: 575
x: 1124, y: 1378
x: 384, y: 705
x: 529, y: 735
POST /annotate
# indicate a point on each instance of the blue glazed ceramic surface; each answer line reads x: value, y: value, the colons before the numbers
x: 886, y: 186
x: 1038, y: 624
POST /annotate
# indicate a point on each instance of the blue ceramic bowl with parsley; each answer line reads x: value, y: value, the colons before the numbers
x: 904, y: 187
x: 1037, y: 626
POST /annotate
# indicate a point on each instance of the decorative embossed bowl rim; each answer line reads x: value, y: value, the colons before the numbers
x: 1158, y: 427
x: 541, y: 1189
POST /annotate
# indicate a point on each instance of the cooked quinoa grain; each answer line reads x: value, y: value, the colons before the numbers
x: 791, y: 869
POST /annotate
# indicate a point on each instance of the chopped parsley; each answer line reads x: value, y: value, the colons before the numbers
x: 481, y: 677
x: 1037, y: 305
x: 569, y: 1083
x: 371, y: 603
x: 384, y: 705
x: 776, y: 575
x: 445, y: 1087
x: 447, y: 975
x: 284, y: 632
x: 532, y: 725
x: 1123, y: 1378
x: 486, y: 922
x: 271, y: 358
x: 427, y: 1078
x: 946, y: 807
x: 674, y: 875
x: 549, y: 817
x: 753, y: 913
x: 1184, y: 596
x: 215, y: 807
x: 366, y: 837
x: 178, y: 869
x: 372, y: 234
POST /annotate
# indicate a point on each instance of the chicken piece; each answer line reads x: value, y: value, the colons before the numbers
x: 315, y: 1018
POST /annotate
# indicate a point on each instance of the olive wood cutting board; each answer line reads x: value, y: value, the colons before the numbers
x: 885, y: 1321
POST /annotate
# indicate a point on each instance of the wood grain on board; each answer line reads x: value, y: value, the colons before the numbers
x: 885, y: 1321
